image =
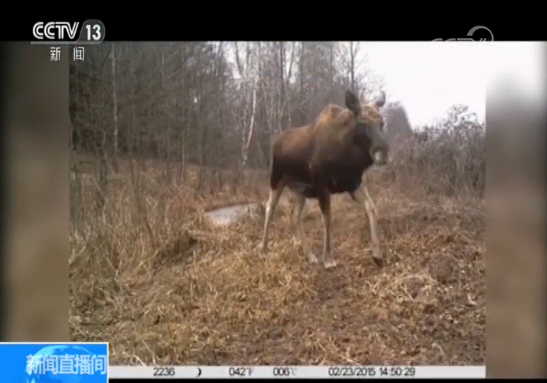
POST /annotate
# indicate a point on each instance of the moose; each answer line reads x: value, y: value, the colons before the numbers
x: 329, y: 156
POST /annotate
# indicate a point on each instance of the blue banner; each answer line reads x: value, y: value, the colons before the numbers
x: 53, y: 362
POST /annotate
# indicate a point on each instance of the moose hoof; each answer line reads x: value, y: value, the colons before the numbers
x: 262, y: 250
x: 378, y: 257
x: 379, y: 261
x: 312, y: 258
x: 330, y: 264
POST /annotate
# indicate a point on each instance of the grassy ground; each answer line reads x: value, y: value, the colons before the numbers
x: 163, y: 287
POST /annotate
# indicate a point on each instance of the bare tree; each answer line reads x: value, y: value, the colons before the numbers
x: 203, y: 105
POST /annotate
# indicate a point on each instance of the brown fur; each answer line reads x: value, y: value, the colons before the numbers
x: 327, y: 156
x: 324, y: 153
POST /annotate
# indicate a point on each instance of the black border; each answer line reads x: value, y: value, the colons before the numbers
x: 333, y: 24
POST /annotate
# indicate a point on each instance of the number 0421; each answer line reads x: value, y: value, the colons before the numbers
x: 93, y: 32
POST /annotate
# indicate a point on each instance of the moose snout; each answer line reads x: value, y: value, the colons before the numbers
x: 380, y: 156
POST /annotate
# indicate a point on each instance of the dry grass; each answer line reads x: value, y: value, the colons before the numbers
x: 152, y: 278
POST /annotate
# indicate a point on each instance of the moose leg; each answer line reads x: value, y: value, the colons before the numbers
x: 324, y: 204
x: 299, y: 203
x: 273, y: 199
x: 362, y: 197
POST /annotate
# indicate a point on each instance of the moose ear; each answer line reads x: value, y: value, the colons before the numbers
x: 381, y: 100
x: 352, y: 102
